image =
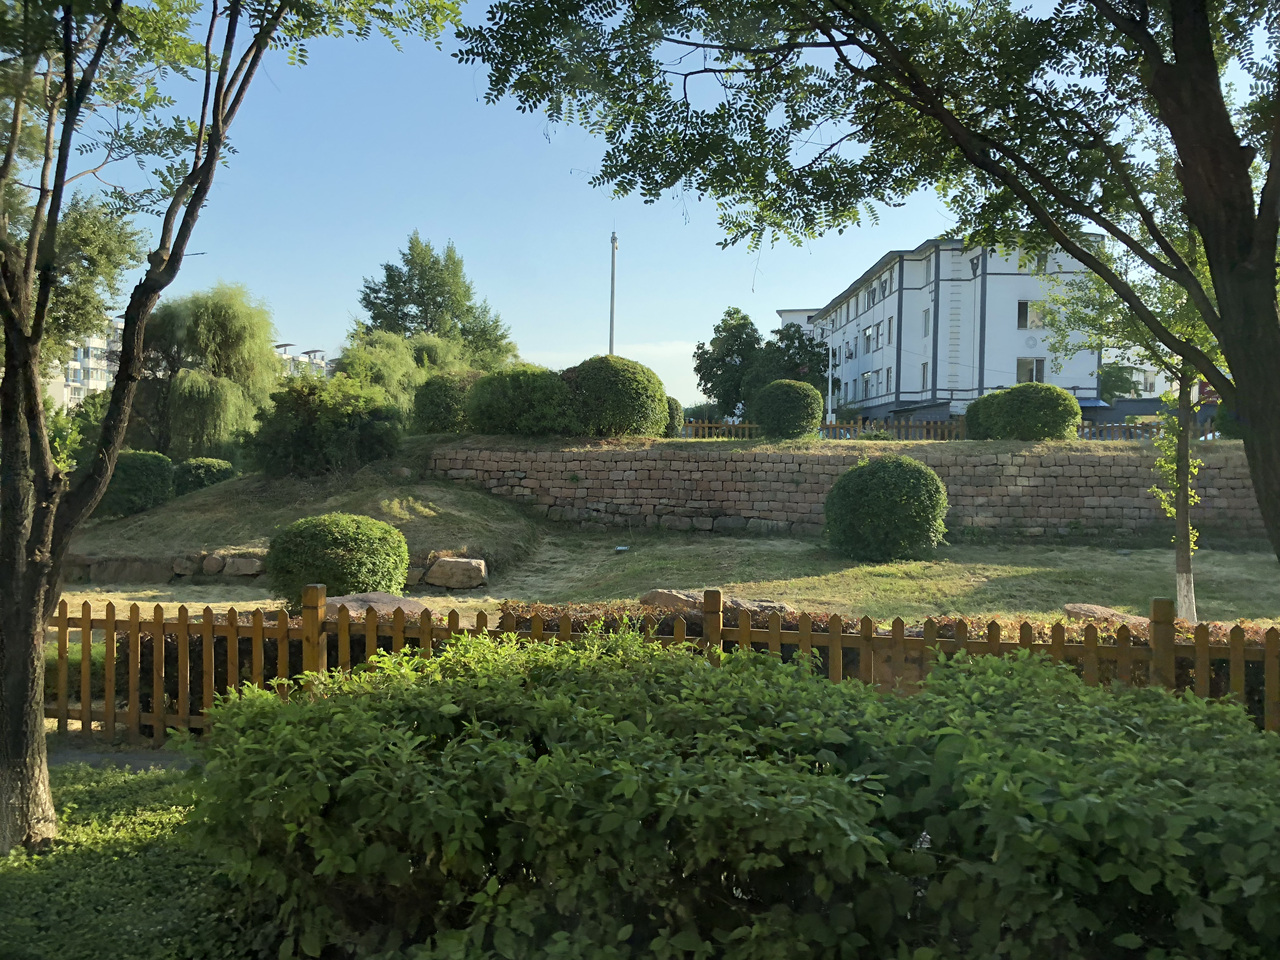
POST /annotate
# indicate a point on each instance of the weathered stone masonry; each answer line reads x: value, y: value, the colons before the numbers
x: 1042, y: 489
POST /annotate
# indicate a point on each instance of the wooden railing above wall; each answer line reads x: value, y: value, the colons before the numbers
x: 904, y: 429
x: 214, y: 654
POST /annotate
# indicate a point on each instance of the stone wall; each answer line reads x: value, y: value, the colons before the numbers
x: 1034, y: 490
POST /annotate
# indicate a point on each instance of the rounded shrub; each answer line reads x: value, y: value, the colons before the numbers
x: 786, y: 409
x: 528, y: 401
x: 142, y: 479
x: 1036, y: 411
x: 440, y: 403
x: 979, y: 416
x: 675, y: 417
x: 346, y: 552
x: 890, y: 508
x: 200, y: 472
x: 617, y: 397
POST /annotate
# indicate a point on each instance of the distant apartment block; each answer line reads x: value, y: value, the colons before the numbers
x: 303, y: 362
x: 922, y: 332
x: 90, y: 369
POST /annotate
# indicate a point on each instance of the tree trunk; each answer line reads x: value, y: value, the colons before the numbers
x: 1186, y: 585
x: 27, y: 817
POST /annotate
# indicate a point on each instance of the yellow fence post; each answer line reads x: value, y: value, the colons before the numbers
x: 1160, y: 636
x: 314, y: 648
x: 712, y: 622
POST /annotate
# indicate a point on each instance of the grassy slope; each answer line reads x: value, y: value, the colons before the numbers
x: 241, y: 515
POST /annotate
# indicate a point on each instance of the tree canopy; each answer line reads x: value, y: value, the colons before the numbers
x: 1039, y: 125
x: 738, y: 362
x: 428, y: 292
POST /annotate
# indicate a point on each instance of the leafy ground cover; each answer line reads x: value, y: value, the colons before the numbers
x: 123, y: 879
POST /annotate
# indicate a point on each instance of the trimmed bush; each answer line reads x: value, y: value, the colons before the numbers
x: 890, y: 508
x: 1036, y: 411
x: 586, y: 800
x: 787, y: 409
x: 200, y: 472
x: 318, y: 426
x: 523, y: 400
x: 440, y: 404
x: 978, y: 416
x: 675, y: 417
x: 617, y: 397
x: 346, y: 552
x: 142, y: 479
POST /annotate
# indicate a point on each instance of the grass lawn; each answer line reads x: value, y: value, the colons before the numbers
x: 121, y: 882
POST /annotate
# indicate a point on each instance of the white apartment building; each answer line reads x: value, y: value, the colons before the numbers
x: 922, y: 332
x: 308, y: 361
x: 89, y: 370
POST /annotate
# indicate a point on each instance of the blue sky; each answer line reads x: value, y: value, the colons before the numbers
x: 340, y: 160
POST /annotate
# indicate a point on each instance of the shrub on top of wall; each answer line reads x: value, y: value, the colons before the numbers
x: 1037, y: 411
x: 524, y: 400
x: 440, y: 403
x: 675, y: 417
x: 142, y: 479
x: 787, y: 409
x: 890, y: 508
x: 617, y: 397
x: 346, y: 552
x: 978, y: 416
x: 200, y: 472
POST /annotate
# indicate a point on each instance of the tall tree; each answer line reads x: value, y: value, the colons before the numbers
x: 428, y: 292
x: 209, y: 365
x: 790, y: 354
x: 1038, y: 124
x: 720, y: 365
x: 91, y: 78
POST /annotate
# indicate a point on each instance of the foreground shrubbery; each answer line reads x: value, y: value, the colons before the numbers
x: 787, y: 409
x: 524, y: 400
x: 142, y: 479
x: 614, y: 799
x: 617, y: 397
x: 347, y: 552
x: 200, y: 472
x: 1029, y: 411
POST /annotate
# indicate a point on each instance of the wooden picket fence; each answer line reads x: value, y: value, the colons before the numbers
x: 930, y: 430
x: 270, y: 645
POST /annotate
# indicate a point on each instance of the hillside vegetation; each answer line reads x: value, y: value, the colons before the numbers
x: 240, y: 516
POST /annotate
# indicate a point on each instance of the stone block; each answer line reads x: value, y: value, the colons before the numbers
x: 382, y: 604
x: 673, y: 522
x: 213, y: 564
x: 186, y: 566
x: 457, y: 573
x: 413, y: 576
x: 728, y: 524
x: 242, y: 567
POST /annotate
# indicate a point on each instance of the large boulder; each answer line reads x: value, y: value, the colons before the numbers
x: 213, y: 564
x: 383, y: 604
x: 457, y: 573
x: 1091, y: 611
x: 186, y: 566
x: 689, y: 604
x: 242, y: 567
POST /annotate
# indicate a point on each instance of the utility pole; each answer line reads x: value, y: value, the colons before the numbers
x: 613, y: 284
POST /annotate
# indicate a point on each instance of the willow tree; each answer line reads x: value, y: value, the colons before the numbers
x: 87, y: 86
x: 209, y: 365
x: 1038, y: 124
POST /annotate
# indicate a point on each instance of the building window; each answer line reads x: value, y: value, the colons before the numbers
x: 879, y: 335
x: 877, y: 383
x: 866, y: 341
x: 1148, y: 382
x: 928, y: 270
x: 866, y: 386
x: 855, y: 345
x: 924, y: 317
x: 888, y: 380
x: 924, y: 375
x: 890, y: 322
x: 1031, y: 369
x: 1029, y: 316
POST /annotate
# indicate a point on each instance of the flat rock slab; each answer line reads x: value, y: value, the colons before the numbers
x: 242, y: 567
x: 1091, y: 611
x: 689, y: 604
x: 358, y: 604
x: 457, y: 573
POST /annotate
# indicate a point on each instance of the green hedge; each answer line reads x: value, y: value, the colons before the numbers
x: 200, y: 472
x: 675, y: 417
x: 440, y: 403
x: 524, y: 400
x: 617, y: 397
x: 346, y: 552
x: 1029, y: 411
x: 890, y: 508
x: 787, y: 409
x: 611, y: 799
x: 318, y: 426
x: 141, y: 480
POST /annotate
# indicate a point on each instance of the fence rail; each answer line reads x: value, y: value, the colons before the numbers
x: 144, y: 695
x: 902, y: 429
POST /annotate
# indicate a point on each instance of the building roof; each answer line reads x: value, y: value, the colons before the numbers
x: 879, y: 265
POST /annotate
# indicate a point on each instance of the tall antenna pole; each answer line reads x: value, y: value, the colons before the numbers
x: 613, y: 284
